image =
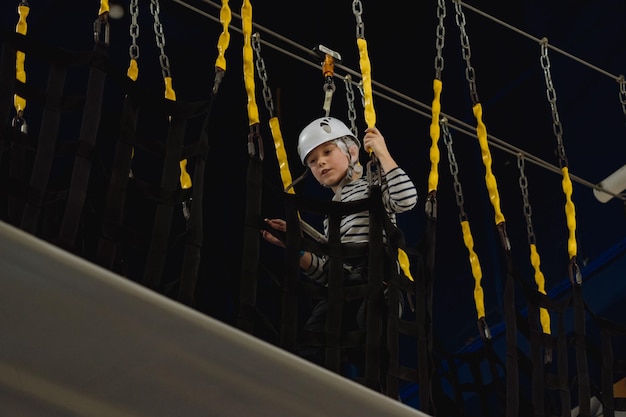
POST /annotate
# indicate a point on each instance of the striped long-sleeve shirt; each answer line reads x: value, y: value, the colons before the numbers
x: 398, y: 194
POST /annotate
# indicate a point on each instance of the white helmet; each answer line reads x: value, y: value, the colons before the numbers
x: 320, y: 131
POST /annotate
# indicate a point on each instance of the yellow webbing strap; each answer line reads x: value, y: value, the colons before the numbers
x: 20, y: 72
x: 544, y: 316
x: 403, y: 260
x: 570, y: 213
x: 170, y: 94
x: 366, y: 69
x: 435, y: 133
x: 104, y: 7
x: 490, y: 179
x: 281, y: 154
x: 248, y: 65
x: 133, y: 70
x: 185, y: 178
x: 476, y: 270
x: 224, y: 39
x: 370, y: 120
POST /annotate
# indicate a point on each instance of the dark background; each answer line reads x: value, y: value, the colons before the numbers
x: 588, y: 41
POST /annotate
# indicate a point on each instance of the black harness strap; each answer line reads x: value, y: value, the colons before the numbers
x: 584, y: 385
x: 250, y: 252
x: 44, y: 156
x: 7, y: 80
x: 113, y: 217
x: 12, y: 195
x: 335, y: 293
x: 543, y: 346
x: 159, y: 241
x: 510, y: 320
x: 195, y: 224
x: 512, y: 370
x: 610, y: 367
x: 424, y: 319
x: 418, y: 328
x: 82, y: 161
x: 291, y: 281
x: 375, y: 300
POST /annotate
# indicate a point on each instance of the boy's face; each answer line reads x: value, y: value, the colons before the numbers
x: 328, y: 163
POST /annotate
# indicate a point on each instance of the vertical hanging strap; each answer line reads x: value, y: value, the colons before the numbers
x: 562, y: 367
x: 10, y: 135
x: 376, y: 273
x: 222, y: 45
x: 113, y: 217
x: 512, y: 361
x: 195, y: 224
x: 335, y: 313
x: 289, y: 325
x: 575, y: 276
x: 87, y: 138
x: 251, y: 244
x: 535, y: 259
x: 174, y: 174
x: 44, y: 157
x: 608, y: 399
x: 468, y: 239
x: 368, y: 100
x: 20, y: 72
x: 580, y: 343
x: 169, y: 186
x: 274, y: 123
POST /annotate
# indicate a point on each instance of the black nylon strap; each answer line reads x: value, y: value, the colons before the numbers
x: 250, y: 253
x: 7, y: 80
x: 375, y: 313
x: 512, y: 372
x: 113, y: 218
x: 45, y: 153
x: 161, y: 229
x: 195, y: 225
x: 608, y: 403
x: 82, y: 163
x: 7, y: 134
x: 584, y: 386
x: 562, y: 382
x: 424, y: 319
x: 334, y: 316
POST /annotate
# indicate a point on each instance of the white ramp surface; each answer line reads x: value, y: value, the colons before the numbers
x: 78, y: 340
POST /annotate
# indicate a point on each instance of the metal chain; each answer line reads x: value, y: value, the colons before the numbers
x: 470, y: 74
x: 523, y: 185
x: 357, y: 9
x: 133, y: 49
x: 262, y: 71
x: 551, y: 94
x: 362, y: 92
x: 160, y: 39
x: 350, y: 100
x: 440, y: 39
x: 454, y: 168
x: 622, y: 92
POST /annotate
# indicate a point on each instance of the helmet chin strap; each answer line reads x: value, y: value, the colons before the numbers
x: 297, y: 180
x: 353, y: 172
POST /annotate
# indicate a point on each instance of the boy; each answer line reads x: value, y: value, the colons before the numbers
x: 329, y: 149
